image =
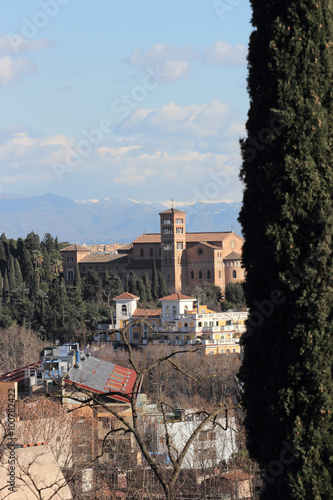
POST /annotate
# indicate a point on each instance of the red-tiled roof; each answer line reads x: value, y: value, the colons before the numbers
x: 75, y: 248
x: 125, y: 296
x: 190, y: 237
x: 233, y: 256
x: 103, y: 258
x: 19, y: 374
x: 172, y: 211
x: 178, y: 296
x: 146, y: 313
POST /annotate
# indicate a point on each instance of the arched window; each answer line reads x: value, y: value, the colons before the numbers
x: 135, y: 336
x: 234, y: 274
x: 185, y: 310
x: 208, y: 275
x: 228, y: 351
x: 151, y: 253
x: 192, y: 275
x: 200, y: 275
x: 141, y: 252
x: 124, y: 309
x: 220, y: 274
x: 174, y: 310
x: 168, y: 310
x: 186, y: 325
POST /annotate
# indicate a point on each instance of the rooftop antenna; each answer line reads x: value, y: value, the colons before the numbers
x: 172, y: 200
x: 232, y: 229
x: 144, y: 230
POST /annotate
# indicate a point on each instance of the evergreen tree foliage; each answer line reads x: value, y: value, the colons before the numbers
x: 162, y: 288
x: 154, y: 283
x: 11, y: 272
x: 147, y: 284
x: 5, y: 290
x: 234, y: 292
x: 3, y: 259
x: 287, y: 220
x: 18, y: 274
x: 46, y: 264
x: 77, y: 285
x: 142, y: 290
x: 91, y: 286
x: 132, y: 283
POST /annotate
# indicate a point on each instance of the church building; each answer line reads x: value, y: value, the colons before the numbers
x: 185, y: 259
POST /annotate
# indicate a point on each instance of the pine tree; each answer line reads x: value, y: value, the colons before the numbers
x: 287, y: 220
x: 154, y: 283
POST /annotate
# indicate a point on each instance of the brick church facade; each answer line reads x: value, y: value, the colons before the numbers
x: 185, y: 259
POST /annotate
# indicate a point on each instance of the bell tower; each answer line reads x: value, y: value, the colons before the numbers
x: 173, y: 248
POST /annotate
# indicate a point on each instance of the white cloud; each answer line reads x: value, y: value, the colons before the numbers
x: 13, y: 44
x: 14, y: 71
x: 194, y: 121
x: 224, y: 54
x: 174, y: 63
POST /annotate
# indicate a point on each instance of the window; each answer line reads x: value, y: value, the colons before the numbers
x: 179, y: 245
x: 234, y: 274
x: 200, y: 323
x: 200, y: 275
x: 179, y: 221
x: 166, y: 221
x: 159, y: 252
x: 200, y: 251
x: 168, y: 310
x: 70, y: 259
x: 208, y: 275
x: 151, y: 252
x: 192, y: 275
x: 179, y: 230
x: 83, y: 268
x: 135, y: 336
x: 70, y: 274
x: 142, y: 252
x: 174, y: 310
x: 185, y: 310
x: 220, y: 274
x: 186, y: 325
x: 124, y: 309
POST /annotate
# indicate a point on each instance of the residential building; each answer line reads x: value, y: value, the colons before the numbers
x: 180, y: 321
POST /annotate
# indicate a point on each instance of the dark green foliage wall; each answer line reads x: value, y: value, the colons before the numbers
x: 287, y: 220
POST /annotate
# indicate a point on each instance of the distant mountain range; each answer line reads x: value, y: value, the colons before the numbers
x: 104, y: 221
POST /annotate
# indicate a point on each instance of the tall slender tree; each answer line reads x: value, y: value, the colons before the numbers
x: 287, y: 220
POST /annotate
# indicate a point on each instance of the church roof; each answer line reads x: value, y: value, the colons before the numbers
x: 75, y: 248
x: 233, y: 256
x: 126, y: 296
x: 178, y: 296
x: 103, y: 258
x: 190, y: 237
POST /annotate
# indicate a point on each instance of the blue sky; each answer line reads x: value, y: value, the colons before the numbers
x: 142, y: 100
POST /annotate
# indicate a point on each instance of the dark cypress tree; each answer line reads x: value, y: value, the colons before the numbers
x: 132, y: 283
x: 77, y: 285
x: 18, y: 274
x: 142, y: 290
x: 3, y: 260
x: 162, y: 288
x: 11, y: 272
x: 154, y: 283
x: 147, y: 284
x: 287, y: 219
x: 5, y: 290
x: 46, y: 265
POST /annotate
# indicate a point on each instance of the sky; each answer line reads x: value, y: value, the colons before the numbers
x: 123, y: 99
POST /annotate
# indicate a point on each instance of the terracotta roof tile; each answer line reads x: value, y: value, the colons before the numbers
x: 125, y: 296
x: 146, y: 313
x: 178, y: 296
x: 103, y: 258
x: 75, y: 248
x: 172, y: 211
x: 233, y: 256
x: 190, y: 237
